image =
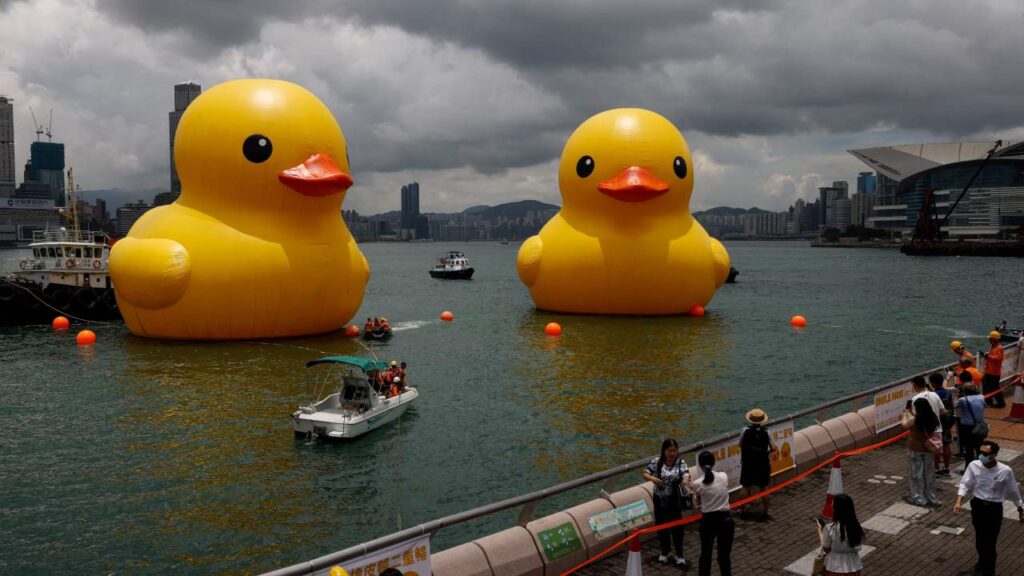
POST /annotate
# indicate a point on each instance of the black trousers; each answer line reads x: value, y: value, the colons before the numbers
x: 667, y: 511
x: 716, y: 525
x: 990, y: 383
x: 987, y: 518
x: 968, y: 442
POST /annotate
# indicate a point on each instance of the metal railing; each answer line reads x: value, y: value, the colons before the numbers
x: 530, y: 500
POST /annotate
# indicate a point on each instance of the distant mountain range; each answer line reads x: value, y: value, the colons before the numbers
x: 727, y: 211
x: 516, y: 209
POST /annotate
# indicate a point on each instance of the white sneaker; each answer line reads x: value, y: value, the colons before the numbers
x: 663, y: 559
x: 681, y: 562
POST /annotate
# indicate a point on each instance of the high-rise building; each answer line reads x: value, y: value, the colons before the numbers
x: 184, y: 94
x: 861, y: 205
x: 48, y: 168
x: 866, y: 183
x: 128, y: 214
x: 6, y: 147
x: 410, y: 205
x: 827, y: 197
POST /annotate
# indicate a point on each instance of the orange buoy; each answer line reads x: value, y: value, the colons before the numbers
x: 696, y: 310
x: 352, y: 331
x: 86, y: 338
x: 553, y: 329
x: 61, y: 323
x: 798, y: 321
x: 447, y: 316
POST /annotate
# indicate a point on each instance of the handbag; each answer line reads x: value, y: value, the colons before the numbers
x: 819, y: 565
x: 934, y: 442
x: 819, y: 561
x: 685, y: 497
x: 980, y: 428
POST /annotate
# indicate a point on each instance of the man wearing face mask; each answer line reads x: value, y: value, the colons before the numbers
x: 991, y: 482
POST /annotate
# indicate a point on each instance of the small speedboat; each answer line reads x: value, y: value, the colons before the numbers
x: 357, y: 406
x: 454, y: 266
x: 377, y: 334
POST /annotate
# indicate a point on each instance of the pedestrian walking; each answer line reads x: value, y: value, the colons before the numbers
x: 947, y: 421
x: 712, y: 494
x: 993, y: 370
x: 970, y: 425
x: 755, y: 463
x: 922, y: 442
x: 671, y: 479
x: 841, y: 539
x: 991, y: 483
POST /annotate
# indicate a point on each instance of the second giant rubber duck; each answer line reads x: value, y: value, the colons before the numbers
x: 624, y: 241
x: 255, y: 246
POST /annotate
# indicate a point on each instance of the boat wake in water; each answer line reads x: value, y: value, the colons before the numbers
x: 411, y: 325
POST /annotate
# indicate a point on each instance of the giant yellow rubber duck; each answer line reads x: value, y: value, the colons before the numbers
x: 624, y: 241
x: 255, y: 246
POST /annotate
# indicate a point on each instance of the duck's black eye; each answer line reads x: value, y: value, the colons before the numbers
x: 257, y: 148
x: 679, y: 166
x: 585, y: 167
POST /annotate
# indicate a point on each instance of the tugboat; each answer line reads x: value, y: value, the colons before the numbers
x: 355, y: 403
x: 66, y: 274
x: 454, y: 266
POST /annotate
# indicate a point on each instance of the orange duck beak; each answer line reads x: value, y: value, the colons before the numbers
x: 634, y: 184
x: 319, y: 175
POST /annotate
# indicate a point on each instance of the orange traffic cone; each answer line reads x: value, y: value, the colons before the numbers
x: 634, y: 560
x: 1017, y: 410
x: 835, y: 487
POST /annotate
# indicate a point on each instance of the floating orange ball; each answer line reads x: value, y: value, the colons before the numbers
x: 61, y: 323
x: 553, y: 329
x: 697, y: 310
x: 86, y: 338
x: 447, y: 316
x: 352, y: 331
x: 798, y: 322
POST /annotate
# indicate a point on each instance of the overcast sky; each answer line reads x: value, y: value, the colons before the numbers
x: 475, y: 99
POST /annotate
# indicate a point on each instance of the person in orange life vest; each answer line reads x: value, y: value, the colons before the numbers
x: 967, y: 365
x: 368, y: 326
x: 402, y: 373
x: 993, y: 370
x: 961, y: 353
x: 384, y: 325
x: 395, y: 389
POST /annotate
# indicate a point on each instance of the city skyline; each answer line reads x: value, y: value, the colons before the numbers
x: 480, y: 113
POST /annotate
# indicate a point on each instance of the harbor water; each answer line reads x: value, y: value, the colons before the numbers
x: 145, y: 457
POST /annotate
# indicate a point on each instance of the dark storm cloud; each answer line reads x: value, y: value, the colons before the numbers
x: 217, y: 24
x: 543, y: 34
x: 497, y: 86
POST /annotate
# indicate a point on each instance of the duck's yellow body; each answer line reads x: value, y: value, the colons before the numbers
x: 255, y: 246
x: 624, y: 241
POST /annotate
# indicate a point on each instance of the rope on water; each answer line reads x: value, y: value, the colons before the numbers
x: 47, y: 304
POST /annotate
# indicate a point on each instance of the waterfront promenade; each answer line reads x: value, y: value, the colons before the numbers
x: 900, y: 538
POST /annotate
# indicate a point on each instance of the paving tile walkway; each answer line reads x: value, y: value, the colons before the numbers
x: 905, y: 540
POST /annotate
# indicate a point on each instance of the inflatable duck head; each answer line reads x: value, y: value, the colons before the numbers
x: 261, y: 146
x: 626, y: 163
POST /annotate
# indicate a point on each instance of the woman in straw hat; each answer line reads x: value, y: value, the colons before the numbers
x: 755, y: 451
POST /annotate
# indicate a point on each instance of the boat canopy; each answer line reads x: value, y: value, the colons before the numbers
x: 364, y: 364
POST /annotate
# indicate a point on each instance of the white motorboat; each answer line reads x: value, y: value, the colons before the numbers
x: 358, y: 404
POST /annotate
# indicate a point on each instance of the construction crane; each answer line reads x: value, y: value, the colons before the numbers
x: 72, y: 208
x: 49, y: 128
x: 39, y: 129
x: 928, y: 230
